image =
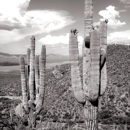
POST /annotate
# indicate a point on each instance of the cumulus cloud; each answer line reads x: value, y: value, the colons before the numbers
x: 35, y: 22
x: 59, y: 43
x: 112, y: 15
x: 13, y: 8
x: 16, y: 16
x: 53, y: 40
x: 122, y: 37
x: 16, y: 22
x: 11, y: 13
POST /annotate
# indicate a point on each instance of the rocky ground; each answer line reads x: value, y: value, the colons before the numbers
x: 60, y: 107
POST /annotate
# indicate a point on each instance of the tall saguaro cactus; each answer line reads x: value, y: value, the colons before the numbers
x: 94, y: 67
x: 88, y: 95
x: 32, y: 69
x: 32, y: 102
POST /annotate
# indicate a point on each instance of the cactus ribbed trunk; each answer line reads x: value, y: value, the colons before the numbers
x: 103, y: 43
x: 90, y: 111
x: 86, y: 66
x: 88, y: 12
x: 23, y: 83
x: 91, y: 105
x: 28, y: 70
x: 75, y: 72
x: 94, y: 65
x: 42, y: 63
x: 32, y: 70
x: 37, y: 75
x: 90, y: 115
x: 28, y: 62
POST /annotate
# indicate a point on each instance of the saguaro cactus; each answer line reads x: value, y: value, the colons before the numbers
x: 88, y: 95
x: 94, y: 67
x: 32, y: 102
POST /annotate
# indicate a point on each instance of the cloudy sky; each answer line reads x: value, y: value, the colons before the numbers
x: 51, y: 20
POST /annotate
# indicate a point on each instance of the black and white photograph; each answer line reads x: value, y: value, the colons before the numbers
x: 64, y: 64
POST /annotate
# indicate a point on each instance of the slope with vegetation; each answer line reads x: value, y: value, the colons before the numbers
x: 60, y: 105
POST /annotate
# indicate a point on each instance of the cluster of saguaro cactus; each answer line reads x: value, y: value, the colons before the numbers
x: 94, y: 66
x: 32, y: 83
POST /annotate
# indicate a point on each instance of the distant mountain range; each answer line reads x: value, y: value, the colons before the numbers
x: 56, y: 58
x: 14, y: 58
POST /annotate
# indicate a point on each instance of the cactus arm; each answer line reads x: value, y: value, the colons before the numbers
x: 94, y: 68
x: 42, y: 70
x: 28, y: 62
x: 32, y: 73
x: 28, y: 70
x: 75, y: 73
x: 103, y: 44
x: 42, y: 61
x: 37, y: 75
x: 103, y: 34
x: 23, y: 83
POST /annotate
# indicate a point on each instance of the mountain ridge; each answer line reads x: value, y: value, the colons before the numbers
x: 14, y: 59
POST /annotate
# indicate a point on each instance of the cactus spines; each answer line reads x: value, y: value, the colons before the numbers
x: 32, y: 70
x: 32, y: 105
x: 75, y: 72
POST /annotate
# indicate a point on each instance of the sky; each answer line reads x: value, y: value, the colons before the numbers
x: 50, y: 22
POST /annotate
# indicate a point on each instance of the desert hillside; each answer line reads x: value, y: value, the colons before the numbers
x: 60, y: 104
